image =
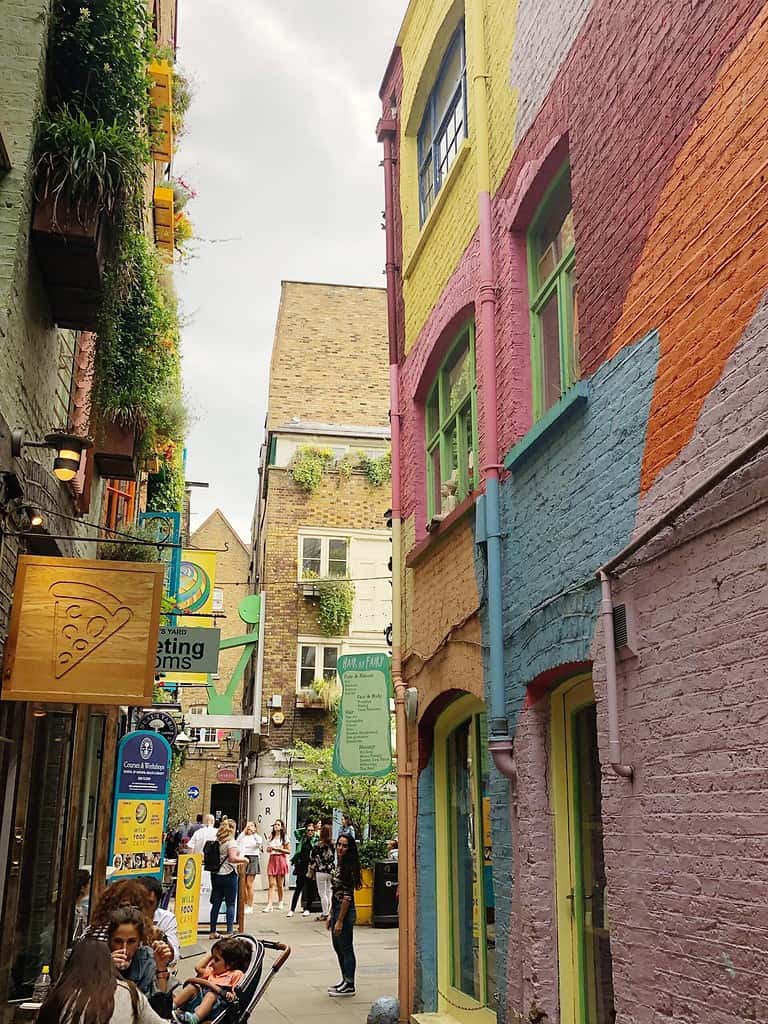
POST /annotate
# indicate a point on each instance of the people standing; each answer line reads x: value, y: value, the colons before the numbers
x: 278, y: 849
x: 224, y: 881
x: 347, y: 828
x: 250, y: 843
x: 305, y: 840
x: 202, y: 835
x: 324, y: 860
x: 345, y: 878
x: 90, y: 992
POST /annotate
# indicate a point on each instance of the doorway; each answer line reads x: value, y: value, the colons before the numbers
x: 225, y: 800
x: 584, y: 944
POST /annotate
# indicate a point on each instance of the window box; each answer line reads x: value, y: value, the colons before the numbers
x: 115, y: 450
x: 70, y: 255
x: 163, y: 214
x: 161, y: 98
x: 310, y: 588
x: 308, y: 700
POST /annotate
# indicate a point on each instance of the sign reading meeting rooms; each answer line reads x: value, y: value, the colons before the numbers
x: 182, y: 649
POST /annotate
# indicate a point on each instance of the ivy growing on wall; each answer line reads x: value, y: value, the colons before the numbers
x: 308, y: 466
x: 336, y: 601
x: 379, y: 470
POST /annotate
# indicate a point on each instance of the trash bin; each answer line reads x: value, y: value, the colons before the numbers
x: 385, y: 894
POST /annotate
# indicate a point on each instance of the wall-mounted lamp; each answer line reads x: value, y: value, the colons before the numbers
x: 231, y: 742
x: 68, y: 448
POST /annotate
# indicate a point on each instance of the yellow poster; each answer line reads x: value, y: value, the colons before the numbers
x: 138, y: 841
x: 196, y: 583
x: 190, y: 873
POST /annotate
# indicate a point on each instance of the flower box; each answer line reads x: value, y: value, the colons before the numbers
x: 163, y: 212
x: 310, y: 588
x: 115, y: 450
x: 308, y: 700
x: 161, y: 98
x: 70, y: 255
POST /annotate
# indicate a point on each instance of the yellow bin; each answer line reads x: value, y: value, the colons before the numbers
x: 364, y: 897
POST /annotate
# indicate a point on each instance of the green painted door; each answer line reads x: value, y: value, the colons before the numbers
x: 586, y: 976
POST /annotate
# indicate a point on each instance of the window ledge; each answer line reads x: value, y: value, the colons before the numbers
x: 439, y: 203
x: 550, y: 423
x: 419, y: 550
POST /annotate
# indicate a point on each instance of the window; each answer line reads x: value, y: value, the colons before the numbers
x: 324, y: 556
x: 451, y: 421
x: 119, y: 503
x: 218, y: 600
x: 444, y: 123
x: 466, y: 919
x: 203, y: 736
x: 316, y: 661
x: 554, y: 309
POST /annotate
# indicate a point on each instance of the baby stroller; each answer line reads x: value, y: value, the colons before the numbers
x: 251, y: 988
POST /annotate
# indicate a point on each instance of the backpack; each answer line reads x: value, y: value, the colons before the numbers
x: 212, y: 856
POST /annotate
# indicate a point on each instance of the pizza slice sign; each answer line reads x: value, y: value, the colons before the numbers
x: 85, y: 617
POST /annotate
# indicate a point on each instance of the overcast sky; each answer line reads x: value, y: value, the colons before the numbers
x: 281, y: 149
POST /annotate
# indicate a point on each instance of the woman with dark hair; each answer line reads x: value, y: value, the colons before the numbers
x: 278, y: 849
x: 323, y: 860
x: 90, y: 991
x: 135, y: 953
x: 127, y: 893
x: 345, y: 878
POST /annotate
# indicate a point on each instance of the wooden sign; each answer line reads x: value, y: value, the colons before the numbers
x: 83, y: 632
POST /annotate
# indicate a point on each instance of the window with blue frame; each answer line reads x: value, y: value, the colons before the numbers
x: 444, y: 123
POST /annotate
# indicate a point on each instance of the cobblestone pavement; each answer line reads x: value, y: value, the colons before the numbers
x: 298, y: 993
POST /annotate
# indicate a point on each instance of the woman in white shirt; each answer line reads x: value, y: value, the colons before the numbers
x: 250, y: 843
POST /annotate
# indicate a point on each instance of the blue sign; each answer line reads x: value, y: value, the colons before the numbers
x: 140, y: 806
x: 143, y: 763
x: 193, y: 792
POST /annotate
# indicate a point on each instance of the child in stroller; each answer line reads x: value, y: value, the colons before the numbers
x: 225, y: 967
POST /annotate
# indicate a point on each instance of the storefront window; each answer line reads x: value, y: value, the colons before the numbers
x: 467, y: 930
x: 43, y: 845
x: 89, y: 804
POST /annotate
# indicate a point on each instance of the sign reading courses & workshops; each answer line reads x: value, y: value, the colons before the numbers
x: 363, y: 737
x: 141, y: 798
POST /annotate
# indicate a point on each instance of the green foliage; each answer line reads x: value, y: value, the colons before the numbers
x: 98, y: 167
x: 329, y: 692
x: 309, y: 465
x: 344, y: 467
x: 171, y: 417
x: 127, y: 550
x: 335, y: 612
x: 370, y: 803
x: 165, y: 490
x: 181, y: 100
x: 98, y: 57
x: 132, y: 364
x: 371, y: 851
x: 179, y: 804
x: 378, y: 471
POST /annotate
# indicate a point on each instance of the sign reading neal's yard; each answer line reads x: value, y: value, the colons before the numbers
x: 182, y: 649
x: 363, y: 737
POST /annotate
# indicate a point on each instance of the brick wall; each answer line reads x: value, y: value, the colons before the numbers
x: 337, y: 503
x: 321, y: 330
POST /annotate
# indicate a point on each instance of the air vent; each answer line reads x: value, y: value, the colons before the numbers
x: 620, y: 637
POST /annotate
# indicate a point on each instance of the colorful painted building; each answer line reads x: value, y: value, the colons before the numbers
x: 576, y: 212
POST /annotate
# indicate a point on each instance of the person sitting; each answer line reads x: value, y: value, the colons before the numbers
x: 90, y: 992
x: 164, y: 920
x: 136, y: 953
x: 225, y: 966
x: 129, y: 892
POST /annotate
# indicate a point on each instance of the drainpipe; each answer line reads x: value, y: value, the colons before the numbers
x: 500, y: 742
x: 386, y: 132
x: 625, y: 771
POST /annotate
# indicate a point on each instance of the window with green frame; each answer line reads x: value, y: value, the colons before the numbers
x: 552, y: 286
x: 451, y: 426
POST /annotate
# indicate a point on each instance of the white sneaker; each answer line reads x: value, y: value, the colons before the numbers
x: 249, y: 910
x: 305, y: 913
x: 280, y: 905
x: 289, y: 914
x: 267, y: 909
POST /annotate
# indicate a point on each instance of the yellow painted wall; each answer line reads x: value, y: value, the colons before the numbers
x: 432, y: 252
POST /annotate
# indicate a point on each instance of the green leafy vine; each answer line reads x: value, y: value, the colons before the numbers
x: 309, y: 465
x: 336, y: 601
x: 378, y: 471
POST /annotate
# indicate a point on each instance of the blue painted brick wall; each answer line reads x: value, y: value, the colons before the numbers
x: 426, y: 894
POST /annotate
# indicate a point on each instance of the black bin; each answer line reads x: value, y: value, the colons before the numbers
x: 385, y: 894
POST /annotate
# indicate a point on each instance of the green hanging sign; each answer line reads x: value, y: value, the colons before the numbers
x: 363, y: 734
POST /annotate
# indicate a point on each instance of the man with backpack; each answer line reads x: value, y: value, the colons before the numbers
x: 202, y: 835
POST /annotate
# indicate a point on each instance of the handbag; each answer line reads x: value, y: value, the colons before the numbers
x: 311, y: 871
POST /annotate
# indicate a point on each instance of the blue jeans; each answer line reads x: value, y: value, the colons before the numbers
x: 342, y: 944
x: 224, y: 890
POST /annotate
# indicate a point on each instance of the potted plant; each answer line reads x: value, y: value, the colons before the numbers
x: 371, y: 852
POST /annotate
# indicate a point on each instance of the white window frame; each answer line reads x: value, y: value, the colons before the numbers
x: 324, y: 548
x: 201, y: 735
x: 218, y: 600
x: 319, y: 658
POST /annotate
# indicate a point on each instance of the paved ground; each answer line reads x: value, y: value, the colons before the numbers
x: 298, y: 993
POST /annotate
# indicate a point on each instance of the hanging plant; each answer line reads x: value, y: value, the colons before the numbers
x: 344, y: 468
x: 308, y: 466
x: 329, y: 692
x: 335, y: 612
x: 379, y: 470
